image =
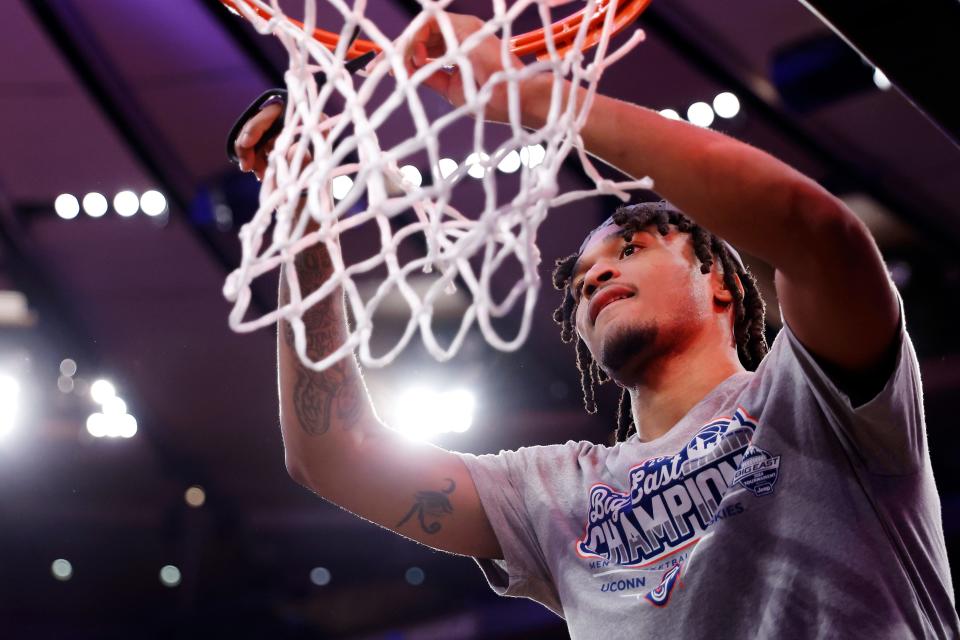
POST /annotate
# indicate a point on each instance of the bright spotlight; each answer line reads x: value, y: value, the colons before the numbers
x: 726, y: 104
x: 95, y: 204
x: 124, y: 426
x: 98, y: 425
x: 532, y: 155
x: 153, y: 203
x: 447, y: 166
x: 670, y: 114
x: 9, y: 403
x: 510, y: 162
x: 126, y: 203
x: 170, y: 576
x: 67, y: 206
x: 61, y: 569
x: 475, y: 162
x: 881, y: 80
x: 340, y: 186
x: 102, y: 390
x: 700, y: 114
x: 411, y: 175
x: 422, y: 413
x: 114, y: 406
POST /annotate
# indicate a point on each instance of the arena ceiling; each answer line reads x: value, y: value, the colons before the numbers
x: 115, y: 95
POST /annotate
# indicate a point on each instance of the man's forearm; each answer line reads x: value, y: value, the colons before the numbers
x: 332, y: 403
x: 737, y: 191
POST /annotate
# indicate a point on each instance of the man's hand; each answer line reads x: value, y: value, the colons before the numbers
x: 251, y: 158
x: 485, y: 59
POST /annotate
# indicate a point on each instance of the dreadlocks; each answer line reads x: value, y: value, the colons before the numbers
x: 748, y: 305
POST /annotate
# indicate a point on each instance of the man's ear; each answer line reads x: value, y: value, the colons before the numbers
x: 721, y: 294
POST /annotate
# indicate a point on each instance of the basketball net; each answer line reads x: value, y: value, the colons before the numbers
x: 463, y: 249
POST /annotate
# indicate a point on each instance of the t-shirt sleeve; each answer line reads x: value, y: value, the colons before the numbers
x: 503, y: 482
x: 887, y: 431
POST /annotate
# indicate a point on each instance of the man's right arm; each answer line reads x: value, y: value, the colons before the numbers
x: 334, y: 443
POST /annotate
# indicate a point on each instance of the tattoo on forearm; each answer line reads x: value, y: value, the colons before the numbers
x: 431, y: 505
x: 337, y: 392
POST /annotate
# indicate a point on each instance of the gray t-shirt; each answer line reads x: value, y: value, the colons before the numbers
x: 773, y: 509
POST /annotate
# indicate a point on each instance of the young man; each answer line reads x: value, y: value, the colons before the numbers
x: 796, y: 500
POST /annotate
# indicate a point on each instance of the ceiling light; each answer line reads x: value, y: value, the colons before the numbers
x: 881, y: 80
x: 195, y: 496
x: 320, y: 576
x: 153, y: 203
x: 340, y: 186
x: 726, y: 104
x: 102, y: 390
x: 67, y: 206
x: 68, y: 367
x: 447, y: 166
x: 670, y: 114
x: 476, y: 164
x: 411, y: 175
x: 61, y: 569
x: 532, y: 155
x: 510, y: 162
x: 9, y: 403
x: 700, y: 114
x: 170, y: 576
x: 126, y: 203
x: 422, y: 413
x: 95, y: 204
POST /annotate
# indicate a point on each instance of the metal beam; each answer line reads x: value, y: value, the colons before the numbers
x: 915, y: 45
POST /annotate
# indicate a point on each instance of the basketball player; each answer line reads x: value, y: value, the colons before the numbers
x: 753, y: 492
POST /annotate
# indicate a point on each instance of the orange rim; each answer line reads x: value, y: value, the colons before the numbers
x: 531, y: 43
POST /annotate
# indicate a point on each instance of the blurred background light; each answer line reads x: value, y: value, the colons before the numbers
x: 102, y: 390
x: 532, y: 155
x: 195, y: 496
x: 61, y: 569
x: 415, y: 576
x: 340, y: 186
x: 126, y: 203
x: 510, y: 162
x: 65, y: 384
x: 170, y: 576
x: 421, y: 413
x: 881, y: 80
x: 700, y: 114
x: 670, y: 114
x: 474, y: 162
x: 447, y: 166
x: 320, y: 576
x: 95, y: 204
x: 9, y: 403
x: 411, y: 175
x: 68, y: 367
x: 153, y: 203
x: 726, y: 104
x: 67, y: 206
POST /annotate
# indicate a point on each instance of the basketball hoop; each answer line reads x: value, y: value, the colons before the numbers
x: 313, y: 150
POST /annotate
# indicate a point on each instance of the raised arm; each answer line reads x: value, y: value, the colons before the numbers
x: 832, y: 284
x: 335, y: 445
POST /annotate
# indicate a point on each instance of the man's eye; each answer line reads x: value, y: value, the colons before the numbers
x: 628, y: 250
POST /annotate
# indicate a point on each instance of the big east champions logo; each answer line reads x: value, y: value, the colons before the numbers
x: 674, y: 499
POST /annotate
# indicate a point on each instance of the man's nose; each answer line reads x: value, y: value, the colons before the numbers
x: 596, y: 276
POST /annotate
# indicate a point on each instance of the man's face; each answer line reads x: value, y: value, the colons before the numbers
x: 640, y: 299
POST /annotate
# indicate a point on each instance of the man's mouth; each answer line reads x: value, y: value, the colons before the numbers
x: 606, y: 297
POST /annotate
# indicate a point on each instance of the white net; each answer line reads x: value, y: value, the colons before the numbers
x: 463, y: 248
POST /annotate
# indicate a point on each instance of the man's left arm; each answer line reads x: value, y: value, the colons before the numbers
x: 834, y: 290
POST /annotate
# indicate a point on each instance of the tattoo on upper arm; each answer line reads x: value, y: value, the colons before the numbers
x: 432, y: 505
x: 337, y: 392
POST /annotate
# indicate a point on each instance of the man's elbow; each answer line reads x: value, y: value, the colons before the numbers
x: 828, y: 227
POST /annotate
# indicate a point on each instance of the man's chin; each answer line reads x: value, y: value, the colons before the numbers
x: 624, y: 348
